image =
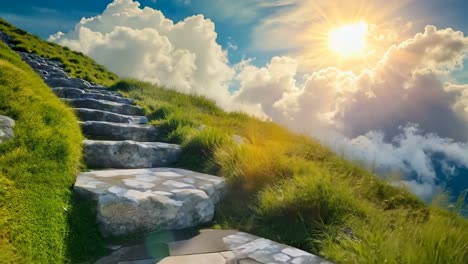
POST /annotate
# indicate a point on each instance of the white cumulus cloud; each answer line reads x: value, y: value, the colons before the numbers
x: 371, y: 115
x: 142, y: 43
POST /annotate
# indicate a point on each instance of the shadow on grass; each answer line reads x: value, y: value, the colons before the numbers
x: 83, y: 241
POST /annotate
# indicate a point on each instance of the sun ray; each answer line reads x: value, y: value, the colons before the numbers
x: 320, y: 50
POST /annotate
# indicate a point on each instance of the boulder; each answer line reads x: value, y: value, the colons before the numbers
x: 144, y: 200
x: 119, y: 131
x: 129, y: 154
x: 118, y: 108
x: 98, y: 115
x: 6, y: 128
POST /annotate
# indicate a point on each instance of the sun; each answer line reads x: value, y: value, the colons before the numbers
x: 349, y: 40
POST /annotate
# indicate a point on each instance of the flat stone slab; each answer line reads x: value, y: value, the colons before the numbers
x: 144, y: 200
x: 119, y: 131
x: 261, y: 250
x: 86, y: 114
x: 118, y: 108
x: 129, y: 154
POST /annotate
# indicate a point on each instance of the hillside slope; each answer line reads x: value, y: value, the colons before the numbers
x: 40, y: 220
x: 289, y: 188
x: 283, y: 186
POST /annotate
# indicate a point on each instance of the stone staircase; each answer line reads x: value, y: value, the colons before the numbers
x: 136, y: 193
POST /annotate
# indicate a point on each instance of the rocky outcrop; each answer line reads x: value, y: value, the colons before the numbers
x: 141, y: 200
x: 6, y: 128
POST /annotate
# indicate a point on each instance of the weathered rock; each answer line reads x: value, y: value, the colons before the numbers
x: 67, y: 82
x: 142, y: 200
x: 119, y: 131
x: 118, y: 108
x: 98, y: 115
x: 6, y: 128
x: 129, y: 154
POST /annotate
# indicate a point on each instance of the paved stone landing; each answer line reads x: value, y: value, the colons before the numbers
x: 261, y: 250
x: 142, y: 200
x: 210, y: 247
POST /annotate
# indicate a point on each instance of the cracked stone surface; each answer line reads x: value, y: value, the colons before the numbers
x: 143, y: 200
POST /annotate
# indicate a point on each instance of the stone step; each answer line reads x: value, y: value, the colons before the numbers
x: 114, y: 107
x: 67, y: 82
x: 210, y: 247
x: 103, y: 90
x: 129, y: 154
x: 75, y: 93
x: 118, y: 131
x: 145, y: 200
x: 97, y: 115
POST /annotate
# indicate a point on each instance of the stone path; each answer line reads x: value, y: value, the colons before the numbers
x: 135, y: 194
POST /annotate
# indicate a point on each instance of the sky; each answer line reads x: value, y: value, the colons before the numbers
x: 380, y: 82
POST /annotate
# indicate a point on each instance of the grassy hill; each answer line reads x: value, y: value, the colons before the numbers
x: 283, y: 186
x: 40, y: 219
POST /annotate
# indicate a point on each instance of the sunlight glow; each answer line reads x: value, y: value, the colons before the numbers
x: 349, y: 40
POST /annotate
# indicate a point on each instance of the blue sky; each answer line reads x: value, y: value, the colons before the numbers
x: 49, y: 16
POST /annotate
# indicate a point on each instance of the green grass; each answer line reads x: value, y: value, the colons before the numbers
x: 289, y: 188
x: 75, y: 63
x: 41, y: 221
